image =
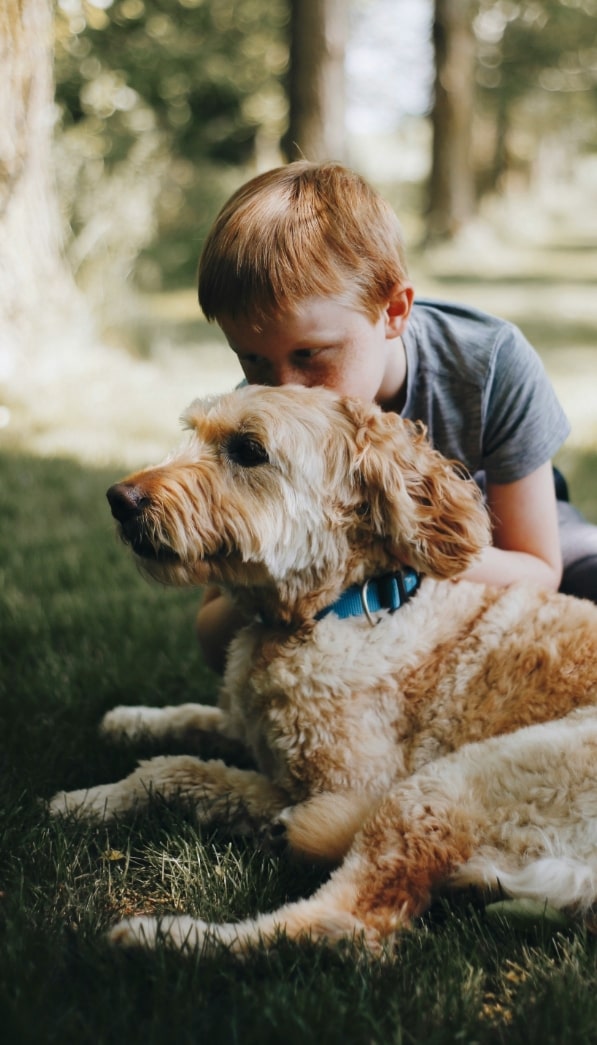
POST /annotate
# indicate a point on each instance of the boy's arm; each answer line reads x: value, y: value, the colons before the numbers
x: 218, y: 621
x: 525, y: 534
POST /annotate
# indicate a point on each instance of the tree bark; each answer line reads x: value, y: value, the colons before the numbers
x: 451, y: 188
x: 35, y: 283
x: 316, y: 90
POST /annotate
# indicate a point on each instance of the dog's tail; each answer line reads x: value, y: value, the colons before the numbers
x: 563, y: 881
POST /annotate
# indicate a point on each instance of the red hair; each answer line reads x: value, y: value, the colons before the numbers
x: 300, y: 231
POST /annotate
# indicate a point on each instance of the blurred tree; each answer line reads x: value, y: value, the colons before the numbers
x: 35, y: 285
x: 167, y: 104
x: 536, y: 77
x: 451, y: 184
x: 508, y: 75
x: 209, y: 69
x: 198, y: 81
x: 316, y: 81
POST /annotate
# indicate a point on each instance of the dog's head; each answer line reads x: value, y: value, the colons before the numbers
x: 298, y: 492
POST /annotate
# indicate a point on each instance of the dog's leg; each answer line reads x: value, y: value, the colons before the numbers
x: 242, y: 799
x: 326, y: 916
x: 516, y: 813
x: 184, y: 722
x: 522, y: 806
x: 408, y: 848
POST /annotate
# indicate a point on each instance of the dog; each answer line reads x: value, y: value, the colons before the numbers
x: 416, y: 731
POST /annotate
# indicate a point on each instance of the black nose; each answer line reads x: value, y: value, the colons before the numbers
x: 126, y: 501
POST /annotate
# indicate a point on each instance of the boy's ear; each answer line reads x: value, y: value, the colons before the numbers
x: 398, y: 308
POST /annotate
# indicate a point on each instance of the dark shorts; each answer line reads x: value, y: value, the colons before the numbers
x: 578, y: 539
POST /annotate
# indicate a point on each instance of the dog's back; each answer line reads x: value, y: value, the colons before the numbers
x: 348, y: 706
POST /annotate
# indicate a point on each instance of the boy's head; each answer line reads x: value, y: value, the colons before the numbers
x: 297, y: 232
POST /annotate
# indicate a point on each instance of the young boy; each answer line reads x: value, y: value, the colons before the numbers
x: 304, y: 271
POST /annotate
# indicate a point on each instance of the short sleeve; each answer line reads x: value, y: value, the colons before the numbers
x: 524, y: 423
x: 482, y: 391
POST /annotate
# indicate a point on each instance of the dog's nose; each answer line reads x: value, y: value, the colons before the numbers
x: 126, y: 501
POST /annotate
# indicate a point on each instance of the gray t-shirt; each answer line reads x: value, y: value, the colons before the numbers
x: 482, y: 391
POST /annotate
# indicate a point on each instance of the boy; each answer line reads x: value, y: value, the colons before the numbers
x: 304, y: 271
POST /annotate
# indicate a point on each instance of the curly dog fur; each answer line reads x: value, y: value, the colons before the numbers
x: 454, y: 743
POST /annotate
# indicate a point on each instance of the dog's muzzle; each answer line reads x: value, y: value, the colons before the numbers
x: 129, y: 506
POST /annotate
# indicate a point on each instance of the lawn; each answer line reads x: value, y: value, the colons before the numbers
x: 81, y: 631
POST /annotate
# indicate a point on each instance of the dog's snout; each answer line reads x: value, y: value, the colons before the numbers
x: 126, y: 501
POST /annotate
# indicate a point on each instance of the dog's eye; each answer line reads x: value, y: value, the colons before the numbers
x: 246, y: 451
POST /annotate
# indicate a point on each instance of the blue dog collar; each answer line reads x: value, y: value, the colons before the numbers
x: 388, y: 592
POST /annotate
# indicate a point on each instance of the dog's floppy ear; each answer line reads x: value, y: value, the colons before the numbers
x: 432, y: 515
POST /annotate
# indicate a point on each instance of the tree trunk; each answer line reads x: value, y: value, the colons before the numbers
x: 451, y: 189
x: 35, y: 284
x: 317, y: 125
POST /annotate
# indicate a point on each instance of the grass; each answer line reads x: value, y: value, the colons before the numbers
x: 80, y: 631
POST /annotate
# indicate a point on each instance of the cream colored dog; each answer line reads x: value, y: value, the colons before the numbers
x: 392, y: 741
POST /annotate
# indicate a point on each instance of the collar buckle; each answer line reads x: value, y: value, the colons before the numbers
x: 364, y: 591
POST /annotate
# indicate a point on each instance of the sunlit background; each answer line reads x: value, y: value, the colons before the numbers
x: 162, y: 107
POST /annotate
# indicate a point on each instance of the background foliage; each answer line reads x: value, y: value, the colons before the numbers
x: 176, y: 101
x: 536, y: 80
x: 174, y: 94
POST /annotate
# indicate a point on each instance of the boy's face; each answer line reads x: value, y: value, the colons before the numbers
x: 324, y: 342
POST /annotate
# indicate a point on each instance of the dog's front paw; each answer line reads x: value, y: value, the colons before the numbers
x: 273, y: 836
x: 93, y: 804
x: 135, y: 932
x: 129, y: 723
x: 178, y: 931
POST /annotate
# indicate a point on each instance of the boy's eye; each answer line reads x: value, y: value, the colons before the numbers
x: 247, y: 451
x: 303, y: 354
